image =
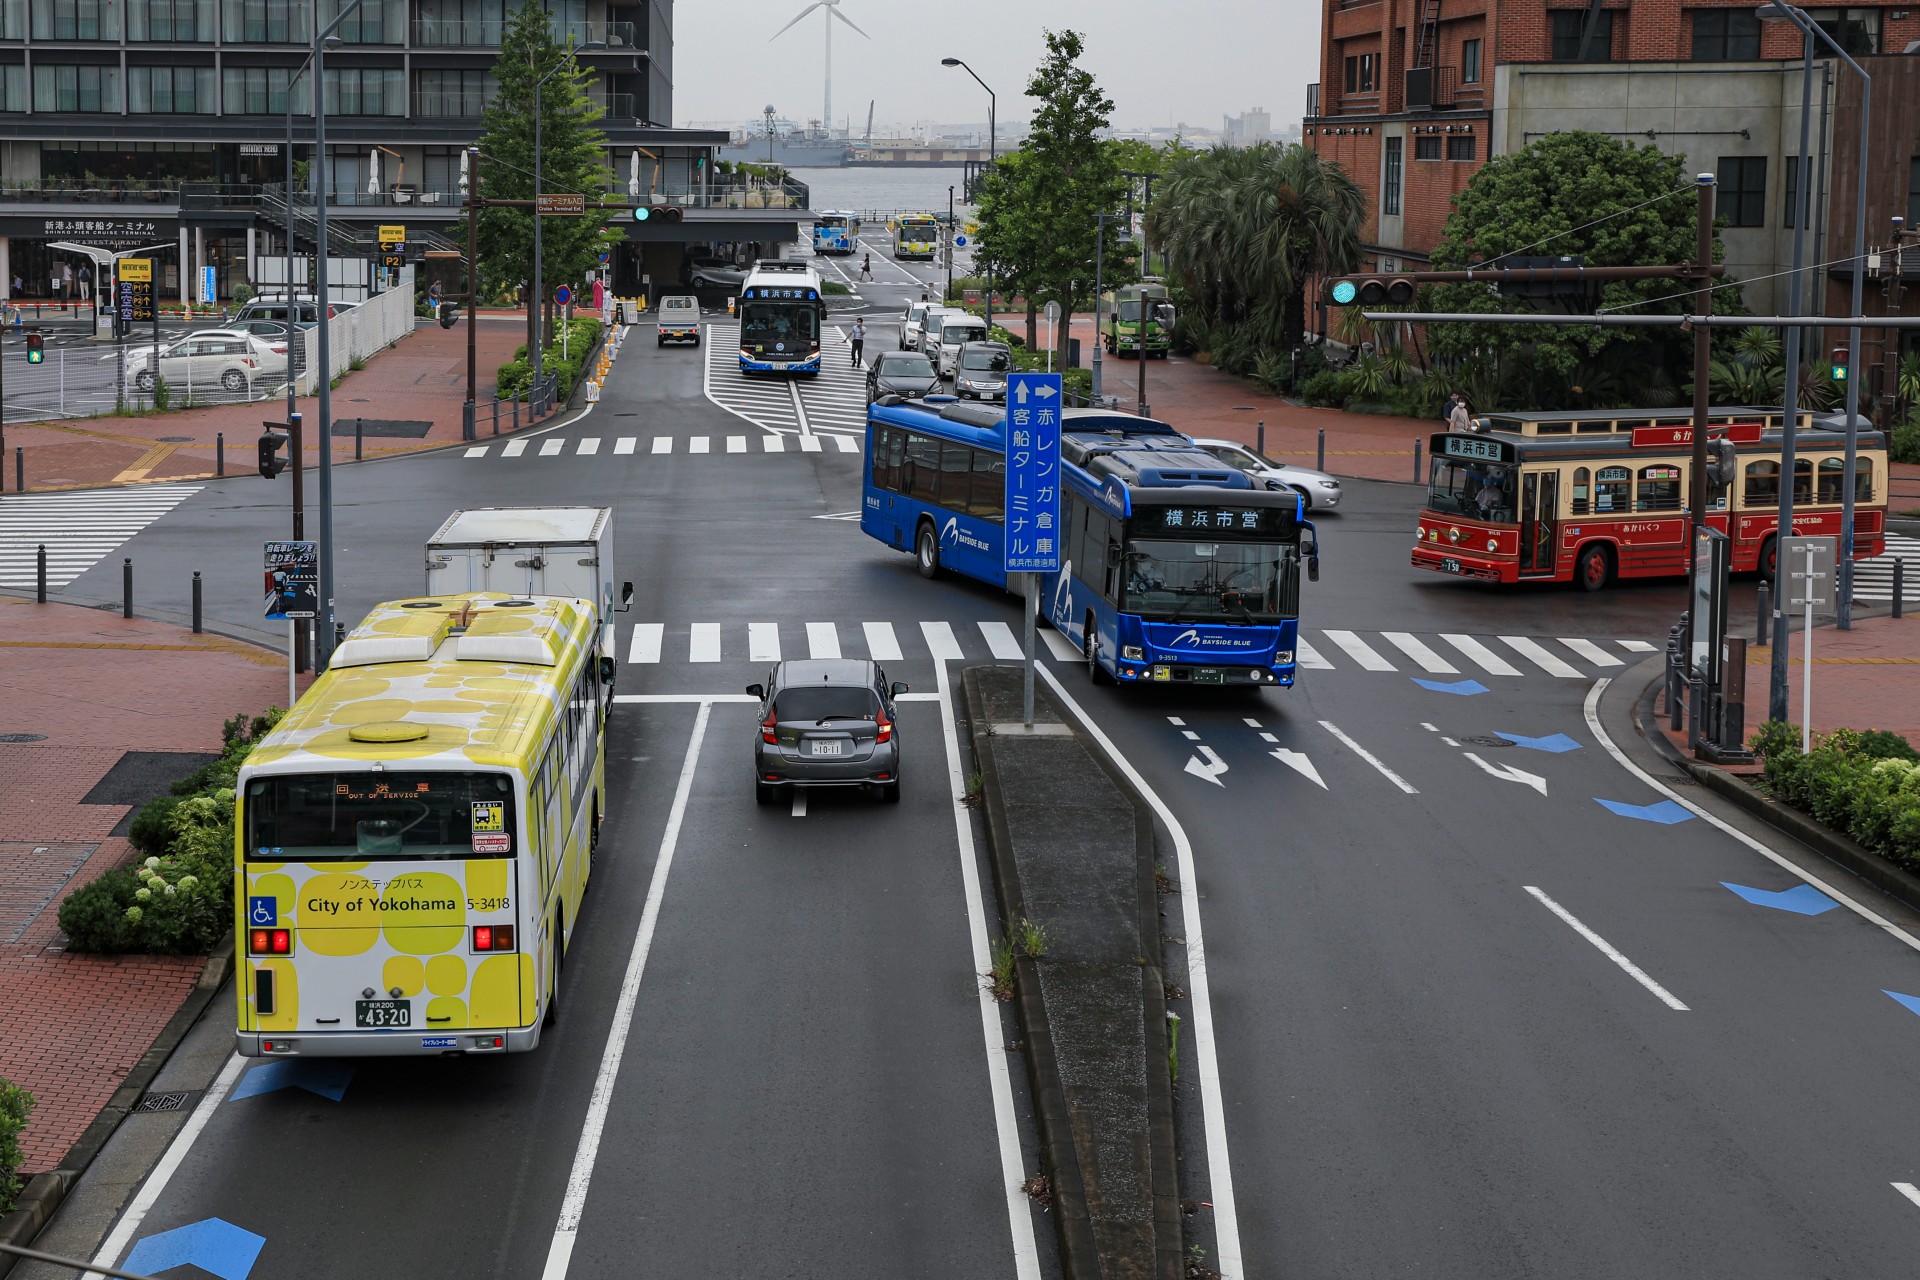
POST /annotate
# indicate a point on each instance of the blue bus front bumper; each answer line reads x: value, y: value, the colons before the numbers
x: 810, y: 365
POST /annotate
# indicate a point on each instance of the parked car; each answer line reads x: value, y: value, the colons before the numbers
x: 679, y: 320
x: 908, y: 374
x: 715, y: 273
x: 229, y: 359
x: 1320, y: 490
x: 277, y: 334
x: 304, y: 311
x: 980, y: 371
x: 826, y: 722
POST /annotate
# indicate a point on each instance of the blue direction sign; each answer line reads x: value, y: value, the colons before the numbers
x: 563, y: 295
x: 1032, y: 533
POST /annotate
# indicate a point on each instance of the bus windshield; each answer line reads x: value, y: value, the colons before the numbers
x: 391, y: 816
x: 776, y: 322
x: 1170, y: 581
x: 1476, y: 489
x: 821, y: 224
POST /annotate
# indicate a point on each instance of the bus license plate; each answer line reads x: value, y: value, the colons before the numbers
x: 826, y: 748
x: 382, y: 1013
x: 1208, y: 675
x: 1449, y: 564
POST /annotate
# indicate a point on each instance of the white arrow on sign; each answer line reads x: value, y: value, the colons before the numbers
x: 1020, y: 392
x: 1298, y: 762
x: 1210, y: 769
x: 1507, y: 773
x: 1044, y: 390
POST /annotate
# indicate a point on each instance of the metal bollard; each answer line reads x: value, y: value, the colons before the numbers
x: 1765, y: 610
x: 40, y: 591
x: 1320, y: 452
x: 1260, y: 438
x: 196, y: 602
x: 1673, y: 675
x: 496, y: 415
x: 516, y: 413
x: 356, y: 438
x: 19, y: 469
x: 1416, y: 462
x: 126, y: 587
x: 220, y: 454
x: 1899, y: 587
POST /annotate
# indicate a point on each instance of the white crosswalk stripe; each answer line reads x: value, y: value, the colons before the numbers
x: 78, y: 529
x: 1000, y: 640
x: 590, y: 444
x: 823, y: 640
x: 1417, y: 649
x: 1537, y: 654
x: 624, y: 446
x: 1308, y: 656
x: 621, y: 446
x: 1360, y: 651
x: 1591, y: 652
x: 1873, y: 579
x: 882, y: 644
x: 548, y: 448
x: 1489, y: 661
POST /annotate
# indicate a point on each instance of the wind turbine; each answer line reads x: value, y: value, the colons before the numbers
x: 832, y: 8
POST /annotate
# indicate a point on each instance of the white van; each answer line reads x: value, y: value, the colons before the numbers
x: 930, y: 322
x: 956, y: 332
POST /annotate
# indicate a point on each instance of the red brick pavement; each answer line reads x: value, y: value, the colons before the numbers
x: 96, y: 685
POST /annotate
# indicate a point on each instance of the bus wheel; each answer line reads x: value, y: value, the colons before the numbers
x: 1594, y: 569
x: 927, y: 551
x: 1769, y: 561
x: 1090, y: 646
x: 553, y: 983
x: 593, y: 832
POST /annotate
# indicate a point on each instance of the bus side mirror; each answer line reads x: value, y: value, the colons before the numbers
x: 757, y: 690
x: 626, y: 595
x: 1113, y: 555
x: 607, y: 670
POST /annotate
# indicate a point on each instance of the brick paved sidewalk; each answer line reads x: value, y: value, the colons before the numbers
x: 92, y: 686
x: 424, y: 378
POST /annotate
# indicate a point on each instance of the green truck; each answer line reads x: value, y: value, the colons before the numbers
x: 1120, y: 325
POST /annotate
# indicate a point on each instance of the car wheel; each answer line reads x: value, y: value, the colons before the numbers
x: 696, y: 340
x: 764, y: 792
x: 890, y: 792
x: 234, y: 380
x: 1305, y: 497
x: 927, y: 551
x: 660, y: 342
x: 1090, y: 647
x: 144, y: 380
x: 1594, y: 570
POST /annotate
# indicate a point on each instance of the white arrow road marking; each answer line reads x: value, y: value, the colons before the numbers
x: 1210, y: 769
x: 1298, y: 762
x: 1507, y: 773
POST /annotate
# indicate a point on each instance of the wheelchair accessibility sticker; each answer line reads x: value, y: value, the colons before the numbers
x: 263, y: 912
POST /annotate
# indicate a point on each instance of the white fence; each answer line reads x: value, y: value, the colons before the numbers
x: 352, y: 335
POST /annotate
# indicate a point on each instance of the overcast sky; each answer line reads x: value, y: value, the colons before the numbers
x: 1161, y: 61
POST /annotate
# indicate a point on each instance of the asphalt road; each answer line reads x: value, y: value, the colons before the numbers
x: 1468, y: 1020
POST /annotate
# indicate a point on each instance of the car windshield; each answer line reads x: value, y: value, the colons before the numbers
x: 1171, y: 581
x: 819, y: 703
x: 1478, y: 490
x: 990, y: 361
x: 906, y: 365
x: 773, y: 322
x: 355, y: 817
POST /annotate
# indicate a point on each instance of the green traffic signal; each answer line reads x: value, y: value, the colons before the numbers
x: 642, y: 213
x: 1344, y: 291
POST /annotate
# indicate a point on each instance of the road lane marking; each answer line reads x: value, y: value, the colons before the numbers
x: 1637, y: 646
x: 736, y: 444
x: 800, y: 410
x: 481, y: 452
x: 823, y: 640
x: 1226, y: 1217
x: 513, y: 449
x: 1417, y: 649
x: 1489, y: 661
x: 810, y: 444
x: 663, y: 444
x: 774, y: 444
x: 1541, y: 657
x: 763, y: 642
x: 1013, y: 1173
x: 799, y: 802
x: 567, y: 1230
x: 1908, y: 1190
x: 882, y: 644
x: 647, y: 637
x: 1062, y: 647
x: 1176, y: 721
x: 1308, y: 656
x: 698, y: 444
x: 1359, y: 650
x: 703, y: 644
x: 1592, y: 710
x: 548, y: 448
x: 1591, y: 652
x: 1000, y: 641
x: 1250, y: 722
x: 588, y: 445
x: 625, y: 444
x: 941, y: 641
x: 1606, y: 949
x: 847, y: 444
x: 1370, y: 758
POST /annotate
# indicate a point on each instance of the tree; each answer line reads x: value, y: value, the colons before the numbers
x: 1601, y: 199
x: 1008, y: 241
x: 573, y: 158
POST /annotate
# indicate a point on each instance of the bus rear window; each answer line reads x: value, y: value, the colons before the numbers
x: 389, y: 816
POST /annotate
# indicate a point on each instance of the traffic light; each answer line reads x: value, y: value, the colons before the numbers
x: 657, y: 213
x: 1371, y: 291
x: 271, y: 463
x: 36, y: 347
x: 448, y: 314
x: 1839, y: 364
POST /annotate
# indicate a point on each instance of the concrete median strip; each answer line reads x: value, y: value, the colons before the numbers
x: 1072, y: 853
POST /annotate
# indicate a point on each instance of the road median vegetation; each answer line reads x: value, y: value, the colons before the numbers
x: 1864, y: 784
x: 16, y: 1104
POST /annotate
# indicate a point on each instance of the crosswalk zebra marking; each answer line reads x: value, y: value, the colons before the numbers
x: 942, y: 642
x: 703, y: 643
x: 78, y: 529
x: 774, y: 444
x: 810, y: 444
x: 1062, y: 647
x: 513, y: 449
x: 1360, y: 651
x: 550, y: 447
x: 823, y: 640
x: 763, y: 642
x: 1591, y: 652
x: 736, y: 444
x: 698, y: 444
x: 1488, y: 661
x: 1000, y: 641
x: 1638, y: 646
x: 480, y: 452
x: 624, y: 445
x: 647, y: 638
x: 1541, y: 657
x: 1306, y: 655
x: 846, y: 444
x: 589, y: 444
x: 882, y: 644
x: 1430, y: 662
x: 663, y: 444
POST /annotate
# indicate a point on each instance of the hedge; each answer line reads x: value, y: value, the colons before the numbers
x: 16, y: 1104
x: 1865, y: 783
x: 178, y: 899
x: 1076, y: 384
x: 513, y: 379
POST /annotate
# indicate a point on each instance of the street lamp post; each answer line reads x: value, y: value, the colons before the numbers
x: 993, y: 157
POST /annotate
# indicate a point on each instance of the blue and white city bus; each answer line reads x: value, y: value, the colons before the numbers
x: 833, y: 231
x: 782, y: 310
x: 1174, y: 567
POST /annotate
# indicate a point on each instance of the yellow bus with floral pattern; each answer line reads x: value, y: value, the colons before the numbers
x: 413, y: 839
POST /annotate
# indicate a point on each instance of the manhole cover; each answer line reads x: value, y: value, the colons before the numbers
x: 1486, y: 741
x: 1673, y: 780
x: 176, y: 439
x: 23, y: 737
x: 165, y: 1101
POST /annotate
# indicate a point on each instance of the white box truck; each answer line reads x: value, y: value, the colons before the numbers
x: 533, y: 551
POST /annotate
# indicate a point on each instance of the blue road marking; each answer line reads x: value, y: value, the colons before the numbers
x: 1802, y: 899
x: 1666, y: 813
x: 1553, y: 742
x: 1912, y: 1003
x: 212, y: 1244
x: 1464, y: 688
x: 326, y: 1078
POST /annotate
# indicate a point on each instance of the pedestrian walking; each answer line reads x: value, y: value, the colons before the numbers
x: 859, y: 339
x: 866, y: 267
x: 20, y: 286
x: 433, y: 295
x: 1457, y: 418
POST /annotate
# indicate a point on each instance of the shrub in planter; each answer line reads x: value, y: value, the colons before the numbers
x: 1328, y: 389
x: 16, y: 1104
x: 1866, y: 784
x: 149, y: 831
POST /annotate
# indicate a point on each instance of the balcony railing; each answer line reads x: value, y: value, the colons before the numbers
x: 474, y: 33
x: 54, y: 191
x: 615, y: 36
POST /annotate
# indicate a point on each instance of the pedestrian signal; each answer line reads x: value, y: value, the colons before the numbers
x: 448, y: 313
x: 271, y: 463
x: 1839, y: 364
x: 36, y: 348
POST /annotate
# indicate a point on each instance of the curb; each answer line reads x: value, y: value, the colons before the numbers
x: 43, y: 1194
x: 1838, y: 849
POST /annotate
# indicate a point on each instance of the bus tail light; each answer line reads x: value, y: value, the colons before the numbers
x: 766, y: 727
x: 493, y: 937
x: 270, y: 942
x: 885, y: 729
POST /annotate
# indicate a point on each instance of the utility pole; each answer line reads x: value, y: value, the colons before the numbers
x: 1702, y: 354
x: 473, y: 288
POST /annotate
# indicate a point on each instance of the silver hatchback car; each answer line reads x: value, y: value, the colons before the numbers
x: 827, y: 722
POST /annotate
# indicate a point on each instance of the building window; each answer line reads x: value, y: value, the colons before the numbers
x: 1725, y: 35
x: 1570, y: 24
x: 13, y: 88
x: 1743, y: 190
x: 367, y: 91
x: 260, y: 91
x: 1913, y: 193
x: 170, y: 90
x: 444, y: 94
x: 374, y: 22
x: 1353, y: 75
x: 453, y: 23
x: 1368, y: 61
x: 13, y: 19
x: 1793, y: 191
x: 265, y: 22
x: 93, y: 90
x: 1390, y: 188
x: 181, y: 21
x: 1460, y: 148
x: 1426, y: 148
x: 1469, y: 62
x: 1855, y: 30
x: 74, y: 19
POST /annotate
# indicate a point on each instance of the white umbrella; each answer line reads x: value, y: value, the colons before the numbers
x: 633, y: 177
x: 373, y: 173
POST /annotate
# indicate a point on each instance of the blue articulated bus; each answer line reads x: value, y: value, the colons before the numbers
x: 833, y: 231
x: 1175, y: 569
x: 782, y: 311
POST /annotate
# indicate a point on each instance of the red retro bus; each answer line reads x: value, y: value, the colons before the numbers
x: 1594, y: 496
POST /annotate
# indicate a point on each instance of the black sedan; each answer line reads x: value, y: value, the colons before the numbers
x: 908, y: 374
